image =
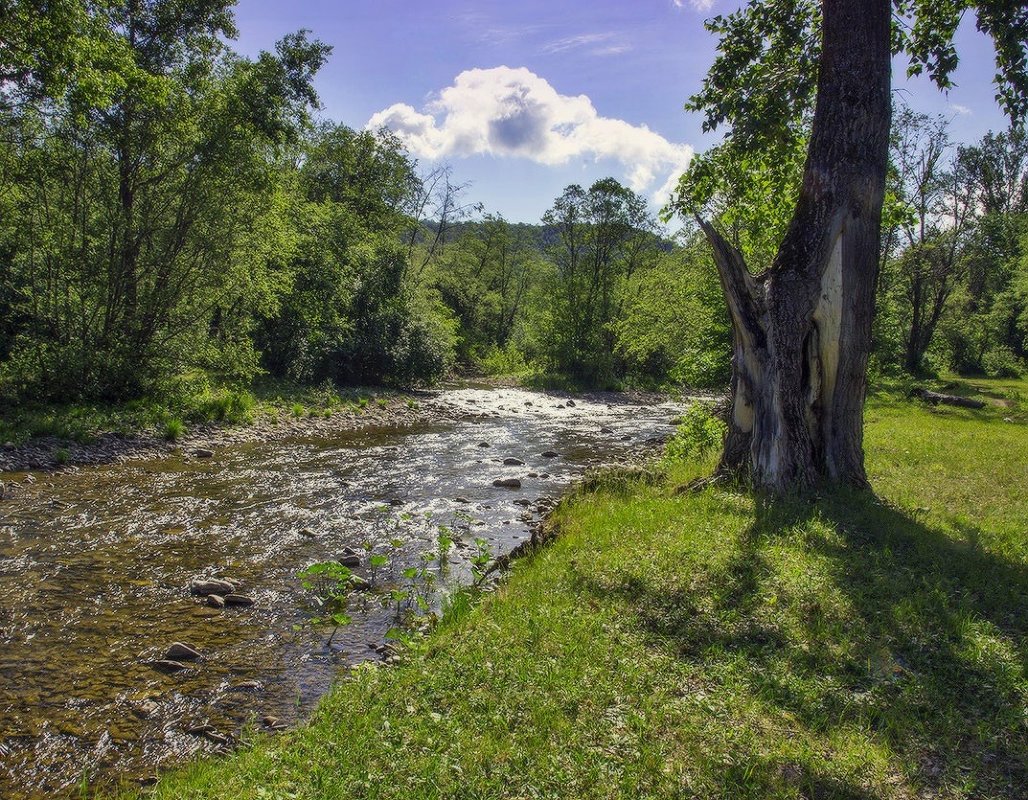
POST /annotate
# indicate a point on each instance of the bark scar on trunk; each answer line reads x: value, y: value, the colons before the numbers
x: 823, y: 352
x: 745, y: 296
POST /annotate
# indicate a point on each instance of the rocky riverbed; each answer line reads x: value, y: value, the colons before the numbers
x: 150, y: 606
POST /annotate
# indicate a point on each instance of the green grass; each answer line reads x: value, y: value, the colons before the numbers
x: 173, y: 429
x: 679, y: 644
x: 168, y: 417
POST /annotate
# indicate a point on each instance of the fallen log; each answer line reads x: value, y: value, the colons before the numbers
x: 936, y: 398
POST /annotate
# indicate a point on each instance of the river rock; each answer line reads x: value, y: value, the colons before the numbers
x: 168, y: 665
x: 181, y: 652
x: 350, y: 559
x: 484, y: 444
x: 570, y: 404
x: 513, y: 462
x: 247, y: 686
x: 203, y: 452
x: 206, y: 586
x: 507, y: 483
x: 210, y: 733
x: 359, y: 584
x: 215, y: 601
x: 144, y: 709
x: 307, y: 533
x: 238, y: 600
x: 550, y: 454
x: 461, y: 499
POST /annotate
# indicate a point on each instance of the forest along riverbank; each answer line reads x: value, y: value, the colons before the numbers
x: 97, y: 565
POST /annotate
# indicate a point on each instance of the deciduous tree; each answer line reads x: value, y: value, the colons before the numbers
x: 802, y: 325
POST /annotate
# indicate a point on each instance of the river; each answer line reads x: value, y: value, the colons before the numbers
x: 96, y: 565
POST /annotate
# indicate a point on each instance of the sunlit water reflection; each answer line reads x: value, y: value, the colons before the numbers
x: 95, y: 567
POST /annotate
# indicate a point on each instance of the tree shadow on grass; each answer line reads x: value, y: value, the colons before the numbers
x: 924, y: 648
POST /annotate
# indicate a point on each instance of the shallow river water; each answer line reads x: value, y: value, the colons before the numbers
x: 95, y: 567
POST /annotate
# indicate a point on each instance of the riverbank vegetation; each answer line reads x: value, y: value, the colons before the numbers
x: 171, y: 416
x: 673, y: 642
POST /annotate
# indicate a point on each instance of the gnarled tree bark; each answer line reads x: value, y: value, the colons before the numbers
x: 802, y: 328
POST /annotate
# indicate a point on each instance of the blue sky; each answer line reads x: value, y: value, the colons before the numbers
x: 523, y: 98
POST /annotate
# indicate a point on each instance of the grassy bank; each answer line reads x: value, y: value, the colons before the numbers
x: 707, y: 645
x: 172, y: 416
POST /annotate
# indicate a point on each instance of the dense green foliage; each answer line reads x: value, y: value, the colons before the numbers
x: 174, y: 219
x: 706, y: 645
x: 179, y: 221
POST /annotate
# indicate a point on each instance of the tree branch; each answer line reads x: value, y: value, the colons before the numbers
x: 743, y: 292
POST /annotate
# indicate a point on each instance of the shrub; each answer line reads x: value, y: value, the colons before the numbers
x: 509, y: 360
x: 226, y: 405
x: 699, y: 432
x: 173, y: 430
x: 1001, y: 362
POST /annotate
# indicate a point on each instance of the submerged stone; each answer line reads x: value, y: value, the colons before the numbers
x: 181, y: 652
x: 207, y: 586
x: 168, y: 665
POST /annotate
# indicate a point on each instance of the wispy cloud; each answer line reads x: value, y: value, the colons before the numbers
x: 597, y: 44
x: 517, y: 114
x: 574, y: 42
x: 612, y: 50
x: 478, y: 26
x: 960, y: 110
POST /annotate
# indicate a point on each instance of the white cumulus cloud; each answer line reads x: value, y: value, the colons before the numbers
x: 515, y: 113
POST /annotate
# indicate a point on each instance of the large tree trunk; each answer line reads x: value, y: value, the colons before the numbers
x: 802, y: 329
